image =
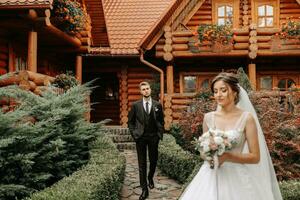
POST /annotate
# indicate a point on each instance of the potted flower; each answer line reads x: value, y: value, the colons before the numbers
x: 219, y: 36
x: 291, y: 29
x: 69, y: 16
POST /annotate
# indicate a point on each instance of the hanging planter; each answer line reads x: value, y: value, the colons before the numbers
x: 216, y: 38
x: 69, y: 16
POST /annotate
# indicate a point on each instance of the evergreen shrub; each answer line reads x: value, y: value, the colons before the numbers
x: 44, y: 139
x: 174, y: 161
x: 101, y: 178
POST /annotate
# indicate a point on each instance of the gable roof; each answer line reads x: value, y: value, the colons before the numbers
x: 7, y: 4
x: 128, y: 21
x: 178, y: 13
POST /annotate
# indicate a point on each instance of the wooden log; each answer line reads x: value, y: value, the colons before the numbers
x: 167, y: 104
x: 182, y: 34
x: 233, y: 53
x: 267, y: 31
x: 252, y: 54
x: 24, y: 85
x: 180, y: 40
x: 179, y: 107
x: 177, y: 115
x: 9, y: 79
x: 167, y: 34
x: 168, y: 119
x: 253, y: 47
x: 264, y: 45
x: 167, y: 48
x: 293, y: 5
x: 168, y: 111
x: 181, y: 101
x: 124, y: 119
x: 133, y: 97
x: 239, y: 46
x: 289, y: 11
x: 240, y: 39
x: 3, y: 71
x: 3, y: 64
x: 168, y: 41
x: 3, y: 49
x: 168, y: 56
x: 253, y: 33
x: 263, y: 38
x: 241, y: 31
x: 180, y: 47
x: 3, y: 56
x: 134, y: 90
x: 124, y: 113
x: 253, y: 40
x: 284, y: 53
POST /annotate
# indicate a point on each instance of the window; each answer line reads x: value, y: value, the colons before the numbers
x: 265, y: 13
x: 190, y: 83
x: 193, y: 82
x: 266, y: 83
x: 226, y: 12
x: 265, y: 16
x: 284, y: 84
x: 225, y: 15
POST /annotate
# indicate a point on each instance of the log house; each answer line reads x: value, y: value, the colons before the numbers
x: 132, y: 41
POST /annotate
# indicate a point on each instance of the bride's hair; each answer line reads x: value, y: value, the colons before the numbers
x: 229, y: 79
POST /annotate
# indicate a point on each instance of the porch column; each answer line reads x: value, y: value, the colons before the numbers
x: 170, y: 72
x: 11, y: 59
x: 32, y: 51
x: 79, y: 68
x: 252, y: 75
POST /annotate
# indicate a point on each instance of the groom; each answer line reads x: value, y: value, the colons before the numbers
x: 146, y: 125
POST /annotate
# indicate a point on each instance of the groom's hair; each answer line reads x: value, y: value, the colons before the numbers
x: 231, y: 80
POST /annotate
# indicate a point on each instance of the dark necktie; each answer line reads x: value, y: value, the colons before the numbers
x: 147, y: 107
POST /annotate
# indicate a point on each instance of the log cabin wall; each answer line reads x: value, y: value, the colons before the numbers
x: 289, y: 9
x: 4, y: 56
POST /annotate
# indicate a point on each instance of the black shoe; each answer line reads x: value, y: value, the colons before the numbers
x: 151, y: 183
x: 144, y: 195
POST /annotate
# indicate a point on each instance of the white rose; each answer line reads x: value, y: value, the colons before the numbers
x: 206, y: 148
x: 218, y: 140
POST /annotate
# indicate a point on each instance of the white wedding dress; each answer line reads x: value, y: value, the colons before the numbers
x: 235, y: 181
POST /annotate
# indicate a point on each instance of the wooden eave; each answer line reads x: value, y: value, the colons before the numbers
x: 18, y: 22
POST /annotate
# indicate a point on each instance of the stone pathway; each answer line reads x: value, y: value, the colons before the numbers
x: 165, y: 188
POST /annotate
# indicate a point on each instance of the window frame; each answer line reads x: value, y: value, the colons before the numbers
x: 200, y: 77
x: 276, y: 11
x: 235, y: 9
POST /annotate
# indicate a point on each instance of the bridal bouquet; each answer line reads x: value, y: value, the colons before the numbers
x: 214, y: 143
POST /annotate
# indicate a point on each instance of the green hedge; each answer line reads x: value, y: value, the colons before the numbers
x: 175, y: 162
x: 183, y: 166
x: 101, y: 178
x: 290, y: 190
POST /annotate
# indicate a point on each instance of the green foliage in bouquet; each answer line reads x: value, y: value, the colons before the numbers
x: 44, y: 139
x: 215, y: 33
x: 69, y: 15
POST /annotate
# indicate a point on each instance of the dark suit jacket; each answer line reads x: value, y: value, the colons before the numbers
x: 136, y: 119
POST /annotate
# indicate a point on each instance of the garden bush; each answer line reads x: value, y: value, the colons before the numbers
x: 43, y: 139
x: 101, y: 178
x: 174, y: 161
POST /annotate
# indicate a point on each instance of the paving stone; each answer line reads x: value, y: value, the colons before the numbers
x: 165, y: 188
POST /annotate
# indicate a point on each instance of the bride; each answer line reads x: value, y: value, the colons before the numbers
x: 245, y: 172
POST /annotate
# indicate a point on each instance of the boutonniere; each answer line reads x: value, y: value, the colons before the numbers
x: 156, y: 109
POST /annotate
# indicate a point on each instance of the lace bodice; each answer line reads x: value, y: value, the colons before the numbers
x: 237, y: 130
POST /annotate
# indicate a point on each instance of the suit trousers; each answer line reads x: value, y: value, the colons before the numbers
x: 142, y: 144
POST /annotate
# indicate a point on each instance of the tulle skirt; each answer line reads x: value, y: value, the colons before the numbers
x: 229, y: 182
